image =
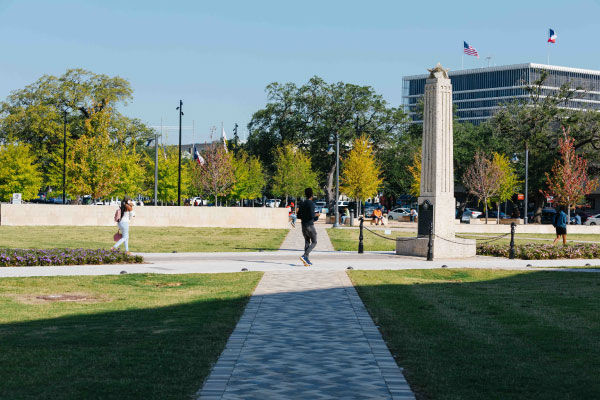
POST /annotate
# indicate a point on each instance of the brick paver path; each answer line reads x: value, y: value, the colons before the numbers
x: 295, y: 241
x: 305, y: 335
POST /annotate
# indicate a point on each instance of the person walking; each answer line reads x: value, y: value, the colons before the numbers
x: 560, y: 223
x: 127, y: 214
x: 413, y: 214
x: 308, y: 216
x: 292, y: 213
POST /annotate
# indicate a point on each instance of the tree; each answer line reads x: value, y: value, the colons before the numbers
x: 312, y: 115
x: 361, y: 178
x: 132, y: 177
x: 249, y: 177
x: 18, y: 172
x: 293, y: 172
x: 509, y: 181
x: 415, y: 173
x: 215, y: 176
x: 482, y: 179
x: 168, y: 175
x: 34, y: 115
x: 569, y: 182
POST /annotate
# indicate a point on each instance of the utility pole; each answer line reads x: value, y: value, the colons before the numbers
x: 65, y: 157
x: 180, y: 108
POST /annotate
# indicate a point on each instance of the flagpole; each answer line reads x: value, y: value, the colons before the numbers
x: 462, y: 61
x: 548, y: 52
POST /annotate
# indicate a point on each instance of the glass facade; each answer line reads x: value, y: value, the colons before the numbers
x: 477, y: 93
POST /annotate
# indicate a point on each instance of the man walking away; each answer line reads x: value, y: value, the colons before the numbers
x: 306, y: 213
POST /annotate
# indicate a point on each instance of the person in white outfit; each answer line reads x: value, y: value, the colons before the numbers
x: 127, y: 214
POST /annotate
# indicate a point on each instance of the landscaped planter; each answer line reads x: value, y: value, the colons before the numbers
x: 536, y: 251
x: 55, y: 257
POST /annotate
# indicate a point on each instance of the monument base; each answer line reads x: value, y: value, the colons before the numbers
x: 461, y: 248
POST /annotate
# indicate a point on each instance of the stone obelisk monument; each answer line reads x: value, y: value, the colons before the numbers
x: 437, y: 202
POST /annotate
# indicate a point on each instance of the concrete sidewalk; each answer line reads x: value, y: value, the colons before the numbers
x: 306, y: 335
x: 286, y: 260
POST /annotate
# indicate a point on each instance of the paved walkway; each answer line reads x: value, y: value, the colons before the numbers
x: 295, y: 241
x: 305, y: 335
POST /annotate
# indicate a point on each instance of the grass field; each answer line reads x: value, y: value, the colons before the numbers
x: 347, y: 239
x: 483, y: 334
x: 132, y: 337
x: 143, y: 239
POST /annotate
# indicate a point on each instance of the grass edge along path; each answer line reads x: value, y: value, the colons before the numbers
x: 144, y: 239
x: 473, y: 334
x: 135, y: 336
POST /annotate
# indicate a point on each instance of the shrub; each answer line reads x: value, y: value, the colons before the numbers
x: 538, y: 251
x: 50, y: 257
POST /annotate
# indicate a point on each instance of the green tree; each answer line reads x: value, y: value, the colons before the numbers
x: 249, y: 177
x: 18, y: 172
x: 415, y: 173
x: 361, y: 177
x: 168, y: 175
x: 310, y: 117
x: 509, y: 181
x: 132, y: 177
x: 293, y: 172
x: 34, y: 115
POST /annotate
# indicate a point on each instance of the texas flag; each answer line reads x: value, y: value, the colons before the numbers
x: 552, y: 36
x: 198, y: 157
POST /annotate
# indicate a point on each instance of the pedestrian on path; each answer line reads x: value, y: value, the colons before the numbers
x: 308, y: 216
x: 127, y: 214
x: 560, y: 223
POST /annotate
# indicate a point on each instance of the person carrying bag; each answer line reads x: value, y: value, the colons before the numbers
x: 123, y: 217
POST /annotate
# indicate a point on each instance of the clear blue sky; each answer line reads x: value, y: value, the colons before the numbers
x: 218, y: 56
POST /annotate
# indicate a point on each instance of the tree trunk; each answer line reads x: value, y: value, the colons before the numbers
x: 216, y: 201
x: 498, y: 216
x: 330, y: 189
x: 568, y: 214
x: 286, y: 200
x: 485, y: 210
x: 537, y: 213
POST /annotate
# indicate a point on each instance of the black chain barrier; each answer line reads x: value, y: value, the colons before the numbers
x: 432, y: 235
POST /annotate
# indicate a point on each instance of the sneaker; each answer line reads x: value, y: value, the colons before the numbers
x: 305, y: 261
x: 308, y: 261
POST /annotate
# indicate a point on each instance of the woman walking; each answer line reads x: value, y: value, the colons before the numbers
x: 126, y: 215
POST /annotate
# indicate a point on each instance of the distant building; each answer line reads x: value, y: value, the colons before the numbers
x: 477, y: 93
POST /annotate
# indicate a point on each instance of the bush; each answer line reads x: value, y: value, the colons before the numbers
x: 36, y: 257
x: 538, y: 251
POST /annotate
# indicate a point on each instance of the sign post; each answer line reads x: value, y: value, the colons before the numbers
x: 16, y: 198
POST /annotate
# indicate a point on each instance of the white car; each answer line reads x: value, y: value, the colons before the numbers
x: 593, y: 220
x: 474, y: 213
x: 273, y: 203
x: 397, y: 213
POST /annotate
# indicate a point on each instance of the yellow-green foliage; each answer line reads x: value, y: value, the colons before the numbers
x: 360, y: 174
x: 18, y: 172
x: 415, y: 172
x: 294, y: 172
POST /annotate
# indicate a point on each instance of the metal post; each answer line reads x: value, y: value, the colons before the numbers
x: 155, y: 168
x: 526, y: 181
x: 351, y: 217
x: 430, y: 244
x: 512, y: 241
x: 361, y: 248
x: 180, y: 108
x: 337, y: 180
x: 65, y: 158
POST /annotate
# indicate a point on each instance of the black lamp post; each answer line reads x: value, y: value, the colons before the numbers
x: 180, y: 108
x: 337, y: 178
x: 64, y: 198
x: 516, y: 159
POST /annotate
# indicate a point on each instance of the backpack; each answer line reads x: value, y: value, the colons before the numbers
x: 118, y: 215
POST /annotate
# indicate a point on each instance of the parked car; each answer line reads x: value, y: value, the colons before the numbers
x: 548, y: 214
x: 273, y: 203
x: 473, y: 213
x: 369, y: 211
x: 593, y: 220
x: 466, y: 217
x: 396, y: 213
x: 493, y: 214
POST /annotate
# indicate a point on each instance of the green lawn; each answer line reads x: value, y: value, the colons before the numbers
x: 485, y: 334
x: 347, y: 239
x: 143, y: 239
x: 136, y: 337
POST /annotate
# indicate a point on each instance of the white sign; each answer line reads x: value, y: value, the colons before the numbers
x: 388, y: 231
x: 550, y: 199
x: 16, y: 199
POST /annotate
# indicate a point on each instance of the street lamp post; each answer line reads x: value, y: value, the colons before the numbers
x: 515, y: 159
x: 64, y: 198
x: 155, y: 169
x: 337, y: 179
x: 180, y: 108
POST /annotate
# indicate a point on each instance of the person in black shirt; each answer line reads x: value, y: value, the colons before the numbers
x: 307, y: 215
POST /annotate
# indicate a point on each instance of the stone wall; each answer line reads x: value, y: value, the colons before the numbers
x: 493, y: 228
x: 223, y: 217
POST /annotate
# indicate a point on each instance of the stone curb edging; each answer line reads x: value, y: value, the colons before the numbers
x: 392, y: 374
x: 216, y: 383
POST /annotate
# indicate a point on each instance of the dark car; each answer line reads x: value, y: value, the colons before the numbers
x: 548, y: 214
x: 493, y: 214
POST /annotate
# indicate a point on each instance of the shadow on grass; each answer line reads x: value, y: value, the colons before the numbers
x: 464, y: 334
x: 155, y: 353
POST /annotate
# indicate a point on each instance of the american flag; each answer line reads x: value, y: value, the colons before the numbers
x: 469, y: 50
